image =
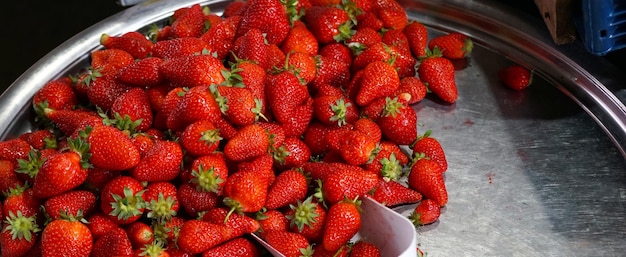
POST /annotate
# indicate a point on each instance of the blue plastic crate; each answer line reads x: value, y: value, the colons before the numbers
x: 603, y: 25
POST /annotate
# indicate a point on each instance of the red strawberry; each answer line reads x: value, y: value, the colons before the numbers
x: 307, y: 218
x: 67, y: 121
x: 348, y: 183
x: 192, y: 71
x: 379, y: 80
x: 70, y: 203
x: 335, y: 110
x: 66, y: 237
x: 240, y: 224
x: 40, y: 139
x: 196, y: 236
x: 303, y: 65
x: 108, y: 62
x: 103, y: 91
x: 343, y: 221
x: 235, y: 9
x: 244, y: 191
x: 179, y: 47
x: 161, y: 201
x: 135, y: 43
x: 100, y: 224
x: 288, y: 243
x: 337, y: 51
x: 56, y: 94
x: 262, y: 165
x: 110, y: 148
x: 122, y: 199
x: 209, y: 172
x: 132, y: 111
x: 429, y: 147
x: 21, y: 199
x: 389, y: 162
x: 363, y: 38
x: 252, y: 76
x: 290, y: 102
x: 300, y: 40
x: 194, y: 201
x: 392, y: 193
x: 18, y: 235
x: 315, y: 138
x: 329, y: 24
x: 251, y: 46
x: 271, y: 220
x: 59, y: 173
x: 161, y: 163
x: 438, y: 74
x: 289, y: 187
x: 238, y: 104
x: 8, y: 176
x: 453, y: 45
x: 398, y: 122
x: 113, y: 243
x: 369, y: 128
x: 190, y: 24
x: 414, y: 87
x: 140, y: 234
x: 238, y: 247
x: 426, y: 212
x: 144, y: 72
x: 271, y: 17
x: 14, y: 149
x: 291, y: 154
x: 364, y: 249
x: 251, y: 141
x: 221, y: 36
x: 515, y: 77
x: 417, y: 35
x: 331, y: 71
x: 426, y: 177
x: 196, y: 104
x: 357, y: 148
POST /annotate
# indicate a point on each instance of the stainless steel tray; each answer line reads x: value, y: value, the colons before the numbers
x: 535, y: 172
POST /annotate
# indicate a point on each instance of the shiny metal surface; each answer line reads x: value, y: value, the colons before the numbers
x: 538, y: 172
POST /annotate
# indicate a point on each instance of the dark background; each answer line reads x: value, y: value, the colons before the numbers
x: 32, y: 28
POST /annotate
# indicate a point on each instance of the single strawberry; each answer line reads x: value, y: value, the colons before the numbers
x: 132, y: 111
x: 398, y: 39
x: 369, y: 128
x: 56, y: 94
x: 40, y: 139
x: 271, y: 220
x: 189, y: 24
x: 453, y: 45
x: 335, y: 110
x: 290, y: 102
x: 195, y: 104
x: 303, y: 65
x: 67, y: 121
x: 271, y: 17
x: 438, y: 74
x: 133, y: 42
x: 414, y: 87
x: 21, y: 199
x: 252, y: 46
x: 343, y: 221
x: 379, y: 80
x: 196, y: 236
x: 429, y: 147
x: 179, y: 47
x: 66, y: 237
x: 347, y: 183
x: 59, y: 173
x: 113, y: 243
x: 161, y: 163
x: 99, y: 224
x: 329, y: 24
x: 391, y: 13
x: 357, y: 148
x: 161, y: 201
x: 8, y: 176
x: 300, y: 40
x: 209, y: 172
x: 289, y: 187
x: 398, y: 122
x: 103, y: 92
x: 18, y: 235
x: 245, y: 192
x: 252, y: 76
x: 515, y: 77
x: 363, y: 38
x: 240, y: 224
x: 193, y: 71
x: 288, y: 243
x: 291, y: 154
x: 307, y: 218
x: 108, y: 62
x: 70, y: 203
x: 364, y: 249
x: 14, y: 149
x: 221, y: 36
x: 389, y: 162
x: 194, y: 201
x: 250, y: 141
x: 238, y: 247
x: 109, y: 148
x: 238, y: 104
x: 426, y: 212
x: 122, y: 199
x: 417, y: 35
x: 144, y: 73
x: 315, y: 137
x: 392, y: 193
x: 330, y: 71
x: 140, y: 234
x: 337, y: 51
x: 426, y: 177
x: 377, y: 52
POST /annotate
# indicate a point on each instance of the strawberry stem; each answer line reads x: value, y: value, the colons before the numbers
x: 21, y: 227
x: 127, y: 206
x: 206, y: 179
x: 161, y: 208
x: 31, y: 166
x: 304, y: 214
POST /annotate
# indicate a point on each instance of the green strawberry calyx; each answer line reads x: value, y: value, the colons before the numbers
x: 161, y: 208
x: 127, y: 206
x: 206, y: 180
x: 21, y: 227
x: 305, y: 213
x: 31, y: 166
x: 339, y: 109
x: 80, y: 146
x: 392, y: 107
x: 391, y: 168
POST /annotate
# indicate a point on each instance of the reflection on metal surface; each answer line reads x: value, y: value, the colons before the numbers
x: 535, y: 172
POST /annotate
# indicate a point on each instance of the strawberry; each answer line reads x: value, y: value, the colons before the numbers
x: 290, y: 102
x: 108, y: 62
x: 238, y: 247
x: 417, y: 35
x: 70, y: 203
x: 99, y: 224
x: 329, y: 24
x: 200, y: 138
x: 453, y: 45
x: 161, y: 163
x: 144, y: 72
x: 429, y: 147
x: 194, y: 70
x: 59, y: 173
x: 246, y: 192
x: 189, y: 24
x: 8, y: 176
x: 348, y: 183
x: 40, y: 139
x: 300, y: 40
x: 426, y: 177
x: 195, y: 104
x: 438, y: 74
x: 235, y: 8
x: 135, y: 43
x: 303, y: 65
x: 343, y: 221
x: 240, y: 224
x: 21, y: 199
x: 515, y: 77
x: 209, y: 172
x: 103, y: 91
x: 357, y: 148
x: 196, y: 236
x: 331, y: 71
x: 161, y: 201
x: 110, y: 148
x: 250, y: 141
x: 369, y: 128
x: 221, y: 36
x: 271, y: 220
x: 362, y: 39
x: 122, y: 199
x: 307, y: 218
x: 251, y: 46
x: 113, y: 243
x: 398, y: 122
x: 67, y: 121
x: 389, y: 162
x: 262, y: 165
x: 18, y: 234
x: 194, y: 201
x: 364, y: 249
x: 426, y: 212
x: 288, y: 243
x: 14, y: 149
x: 343, y: 251
x: 414, y: 87
x: 397, y: 39
x: 66, y: 237
x: 334, y: 110
x: 379, y: 80
x: 291, y: 154
x: 132, y: 111
x: 391, y: 13
x: 56, y: 94
x: 252, y: 76
x: 289, y: 187
x: 140, y: 234
x: 315, y: 137
x: 271, y: 17
x: 238, y: 104
x: 337, y: 51
x: 392, y: 193
x: 154, y: 249
x: 179, y: 47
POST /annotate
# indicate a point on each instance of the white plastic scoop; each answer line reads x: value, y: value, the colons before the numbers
x: 393, y: 233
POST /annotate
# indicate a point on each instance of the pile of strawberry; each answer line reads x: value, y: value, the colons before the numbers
x: 272, y: 118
